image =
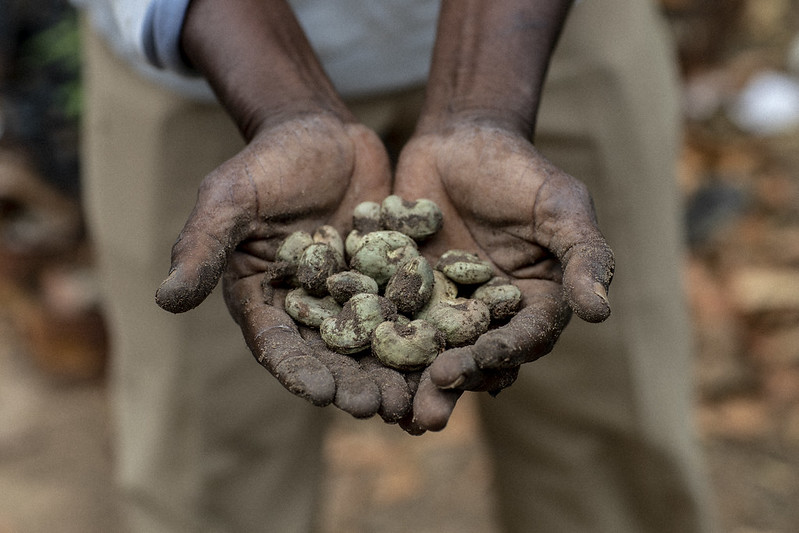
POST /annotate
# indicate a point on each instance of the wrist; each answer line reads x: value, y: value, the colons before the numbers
x: 449, y: 118
x: 259, y: 63
x: 490, y: 60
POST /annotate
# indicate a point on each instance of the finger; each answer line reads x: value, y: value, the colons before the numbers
x: 276, y: 343
x: 281, y: 351
x: 406, y: 422
x: 396, y: 397
x: 356, y: 393
x: 530, y: 334
x: 588, y: 271
x: 409, y: 426
x: 199, y: 255
x: 433, y: 406
x: 457, y: 369
x: 412, y: 379
x: 567, y: 215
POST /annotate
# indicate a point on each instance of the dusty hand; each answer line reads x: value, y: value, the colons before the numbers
x: 537, y: 226
x: 298, y: 174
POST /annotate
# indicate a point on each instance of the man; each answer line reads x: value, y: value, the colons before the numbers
x: 595, y: 437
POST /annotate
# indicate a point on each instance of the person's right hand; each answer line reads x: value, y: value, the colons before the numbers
x: 297, y: 174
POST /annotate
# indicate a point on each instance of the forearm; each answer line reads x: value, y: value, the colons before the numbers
x: 490, y: 60
x: 258, y: 61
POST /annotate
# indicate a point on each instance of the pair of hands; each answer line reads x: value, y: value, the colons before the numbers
x: 500, y: 198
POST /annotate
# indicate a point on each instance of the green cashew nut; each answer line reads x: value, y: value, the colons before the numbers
x: 366, y: 217
x: 351, y: 330
x: 502, y: 297
x: 310, y: 310
x: 411, y: 285
x: 381, y: 253
x: 461, y: 320
x: 464, y: 267
x: 444, y: 289
x: 287, y: 258
x: 330, y: 236
x: 419, y: 219
x: 318, y: 262
x: 344, y: 285
x: 290, y: 250
x: 353, y: 242
x: 409, y: 347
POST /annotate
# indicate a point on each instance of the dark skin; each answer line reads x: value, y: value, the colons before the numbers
x: 308, y: 163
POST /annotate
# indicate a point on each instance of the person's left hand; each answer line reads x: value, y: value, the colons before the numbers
x: 504, y: 201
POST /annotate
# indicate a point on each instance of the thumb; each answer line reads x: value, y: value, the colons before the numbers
x: 200, y: 254
x: 588, y: 268
x: 576, y: 240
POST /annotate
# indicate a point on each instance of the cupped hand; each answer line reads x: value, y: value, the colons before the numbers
x: 298, y: 174
x: 536, y: 224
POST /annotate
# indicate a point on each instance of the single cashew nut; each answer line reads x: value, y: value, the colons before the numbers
x: 290, y: 250
x: 443, y: 289
x: 411, y: 285
x: 318, y: 262
x: 366, y: 217
x: 344, y: 285
x: 351, y: 330
x: 419, y: 219
x: 287, y: 258
x: 409, y: 347
x: 330, y: 236
x: 464, y: 267
x: 310, y: 310
x: 353, y: 242
x: 381, y: 253
x: 462, y: 320
x: 502, y: 297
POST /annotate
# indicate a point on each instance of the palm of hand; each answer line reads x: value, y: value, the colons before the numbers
x: 299, y: 175
x: 487, y: 183
x: 503, y: 200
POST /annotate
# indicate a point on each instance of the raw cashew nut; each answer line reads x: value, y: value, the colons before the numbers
x: 318, y: 262
x: 419, y: 219
x: 443, y: 289
x: 461, y: 320
x: 381, y: 253
x: 310, y: 310
x: 464, y: 267
x: 330, y: 236
x: 501, y: 296
x: 344, y: 285
x: 351, y: 330
x: 366, y: 217
x: 411, y: 285
x: 290, y: 250
x: 409, y: 347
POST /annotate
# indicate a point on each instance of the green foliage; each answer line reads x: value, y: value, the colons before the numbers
x: 57, y: 50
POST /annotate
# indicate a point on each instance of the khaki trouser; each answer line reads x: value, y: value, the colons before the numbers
x: 596, y: 437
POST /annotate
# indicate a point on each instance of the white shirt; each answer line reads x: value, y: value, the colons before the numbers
x: 365, y: 46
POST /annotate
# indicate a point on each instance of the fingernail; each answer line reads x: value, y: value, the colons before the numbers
x: 600, y: 291
x: 460, y: 380
x: 173, y: 272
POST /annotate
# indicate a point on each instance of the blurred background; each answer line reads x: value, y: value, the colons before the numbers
x: 739, y: 171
